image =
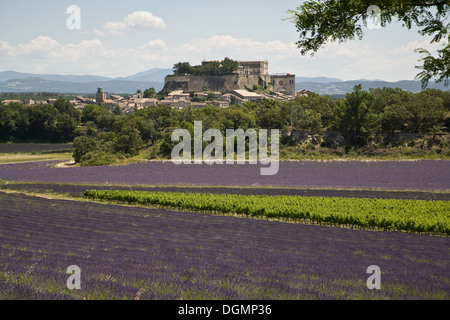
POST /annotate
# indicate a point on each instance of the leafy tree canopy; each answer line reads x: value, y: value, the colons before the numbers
x: 227, y: 66
x: 321, y: 21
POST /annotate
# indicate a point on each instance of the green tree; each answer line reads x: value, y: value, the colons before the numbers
x: 14, y: 122
x: 271, y: 118
x: 236, y: 118
x: 83, y: 146
x: 321, y: 21
x: 129, y: 141
x: 42, y: 122
x: 306, y: 120
x: 323, y: 106
x: 212, y: 68
x: 395, y: 117
x: 272, y: 114
x: 106, y: 121
x: 229, y: 66
x: 93, y: 112
x: 117, y: 110
x: 100, y: 158
x: 182, y: 68
x: 427, y: 113
x: 145, y: 127
x: 150, y: 93
x: 210, y: 97
x: 65, y: 127
x: 65, y: 107
x: 357, y: 118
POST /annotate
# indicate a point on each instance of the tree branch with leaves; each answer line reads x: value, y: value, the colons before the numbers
x: 323, y: 21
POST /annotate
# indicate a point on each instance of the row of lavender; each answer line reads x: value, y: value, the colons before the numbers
x: 77, y: 190
x: 32, y: 147
x: 423, y: 175
x: 167, y: 255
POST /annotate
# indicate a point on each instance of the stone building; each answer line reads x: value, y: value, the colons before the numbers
x: 248, y: 96
x: 248, y: 75
x: 100, y: 97
x: 254, y: 68
x: 284, y: 83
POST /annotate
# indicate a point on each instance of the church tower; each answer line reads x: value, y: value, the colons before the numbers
x: 101, y: 96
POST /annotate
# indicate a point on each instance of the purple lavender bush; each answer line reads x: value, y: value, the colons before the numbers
x: 130, y: 252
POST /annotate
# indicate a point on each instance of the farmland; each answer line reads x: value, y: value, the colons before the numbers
x: 77, y: 190
x: 26, y: 152
x: 33, y: 147
x: 173, y: 255
x: 129, y: 252
x: 424, y: 175
x: 400, y: 215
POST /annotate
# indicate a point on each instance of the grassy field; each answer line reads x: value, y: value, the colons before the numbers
x: 32, y: 152
x: 6, y: 158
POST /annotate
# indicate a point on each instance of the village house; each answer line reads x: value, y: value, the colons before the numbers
x: 247, y: 95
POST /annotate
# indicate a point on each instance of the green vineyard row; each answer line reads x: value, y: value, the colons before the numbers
x: 386, y: 214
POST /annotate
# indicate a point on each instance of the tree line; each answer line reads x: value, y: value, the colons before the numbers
x: 100, y: 135
x: 55, y: 122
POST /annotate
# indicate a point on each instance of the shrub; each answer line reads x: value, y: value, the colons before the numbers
x: 83, y: 146
x: 97, y: 159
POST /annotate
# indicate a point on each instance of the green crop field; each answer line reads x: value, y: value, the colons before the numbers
x: 387, y: 214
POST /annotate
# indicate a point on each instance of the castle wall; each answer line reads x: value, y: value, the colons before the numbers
x: 281, y: 83
x: 213, y: 83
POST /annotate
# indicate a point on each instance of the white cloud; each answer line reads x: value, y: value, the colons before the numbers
x: 223, y: 45
x: 412, y: 45
x: 46, y: 55
x: 133, y: 21
x: 40, y: 46
x: 353, y: 60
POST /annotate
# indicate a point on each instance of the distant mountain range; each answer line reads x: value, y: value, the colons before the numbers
x: 342, y: 87
x: 11, y: 81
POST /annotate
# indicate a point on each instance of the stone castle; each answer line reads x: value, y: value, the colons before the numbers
x: 248, y: 75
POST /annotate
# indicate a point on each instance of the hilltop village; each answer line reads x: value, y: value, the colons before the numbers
x: 251, y: 81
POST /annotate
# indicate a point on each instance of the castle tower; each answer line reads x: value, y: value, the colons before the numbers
x: 100, y: 97
x: 284, y: 83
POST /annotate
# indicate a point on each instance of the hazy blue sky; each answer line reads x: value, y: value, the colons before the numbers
x: 120, y: 38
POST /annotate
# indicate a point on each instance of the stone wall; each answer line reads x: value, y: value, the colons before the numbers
x: 399, y: 138
x: 213, y: 83
x: 329, y: 137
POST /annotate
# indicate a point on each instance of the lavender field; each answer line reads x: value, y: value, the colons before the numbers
x: 129, y: 253
x: 426, y: 175
x: 149, y: 254
x: 32, y: 147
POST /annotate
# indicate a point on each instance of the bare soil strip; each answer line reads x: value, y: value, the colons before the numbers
x: 78, y: 190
